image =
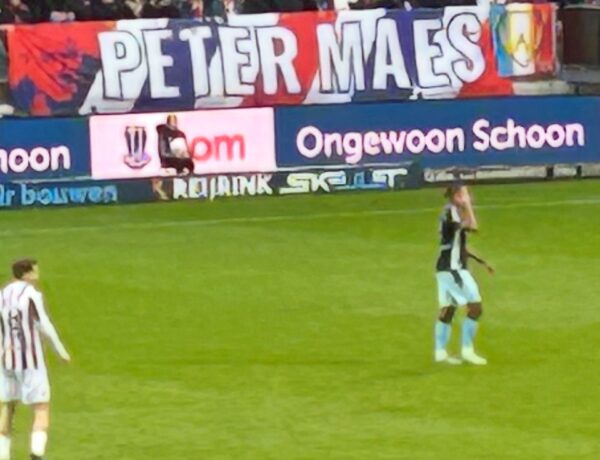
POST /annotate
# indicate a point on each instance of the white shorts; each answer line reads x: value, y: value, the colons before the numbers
x: 30, y: 386
x: 450, y: 293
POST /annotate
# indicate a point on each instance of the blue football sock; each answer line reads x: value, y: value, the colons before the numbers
x: 469, y: 328
x: 442, y: 335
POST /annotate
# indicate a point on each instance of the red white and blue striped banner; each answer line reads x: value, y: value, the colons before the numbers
x: 270, y: 60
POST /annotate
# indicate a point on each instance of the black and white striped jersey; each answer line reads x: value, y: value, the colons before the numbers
x: 453, y: 241
x: 22, y: 319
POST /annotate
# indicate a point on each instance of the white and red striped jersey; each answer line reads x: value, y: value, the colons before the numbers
x: 22, y: 319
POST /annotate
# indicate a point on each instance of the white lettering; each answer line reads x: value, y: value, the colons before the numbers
x: 372, y: 143
x: 455, y: 138
x: 341, y: 64
x: 60, y: 158
x: 157, y: 63
x: 333, y: 144
x: 536, y: 137
x: 302, y: 141
x: 119, y: 52
x: 532, y: 137
x: 393, y: 142
x: 267, y: 37
x: 353, y: 147
x: 574, y: 131
x: 388, y: 44
x: 429, y: 51
x: 18, y: 161
x: 435, y: 141
x: 556, y: 135
x: 483, y: 141
x: 415, y: 141
x: 464, y: 32
x: 39, y: 159
x: 311, y: 142
x: 196, y: 37
x: 234, y: 45
x: 388, y: 176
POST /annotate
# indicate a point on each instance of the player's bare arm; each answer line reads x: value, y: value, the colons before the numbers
x: 469, y: 221
x: 49, y: 331
x: 480, y: 260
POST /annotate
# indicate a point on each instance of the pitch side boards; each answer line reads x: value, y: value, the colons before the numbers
x: 63, y: 193
x: 441, y: 134
x: 217, y: 141
x: 34, y: 149
x: 283, y: 151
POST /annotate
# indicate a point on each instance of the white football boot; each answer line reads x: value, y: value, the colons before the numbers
x: 442, y: 356
x: 469, y: 355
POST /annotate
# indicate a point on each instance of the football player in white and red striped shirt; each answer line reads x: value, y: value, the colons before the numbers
x: 23, y: 374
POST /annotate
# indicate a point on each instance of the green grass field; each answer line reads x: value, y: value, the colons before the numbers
x: 302, y: 328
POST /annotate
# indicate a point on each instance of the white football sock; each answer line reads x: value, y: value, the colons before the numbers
x: 4, y: 447
x: 38, y: 443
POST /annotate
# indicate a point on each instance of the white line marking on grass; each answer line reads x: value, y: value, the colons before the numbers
x: 280, y: 218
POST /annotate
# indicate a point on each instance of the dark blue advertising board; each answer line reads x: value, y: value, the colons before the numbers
x: 75, y: 193
x: 44, y: 148
x: 318, y: 180
x: 440, y: 134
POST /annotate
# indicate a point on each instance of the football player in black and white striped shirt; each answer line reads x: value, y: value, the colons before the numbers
x: 23, y: 374
x: 456, y: 285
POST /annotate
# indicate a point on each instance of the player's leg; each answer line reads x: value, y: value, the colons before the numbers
x: 36, y: 393
x: 443, y: 331
x: 39, y: 430
x: 443, y: 324
x: 7, y: 413
x: 10, y: 393
x: 470, y: 323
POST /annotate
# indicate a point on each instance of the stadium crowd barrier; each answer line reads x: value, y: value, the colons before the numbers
x: 290, y: 150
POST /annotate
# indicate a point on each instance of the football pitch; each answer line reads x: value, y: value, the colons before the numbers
x: 301, y: 328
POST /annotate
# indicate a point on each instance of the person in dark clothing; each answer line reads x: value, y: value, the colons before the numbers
x: 277, y: 6
x: 111, y: 10
x: 173, y: 147
x: 15, y: 12
x: 160, y: 9
x: 62, y: 10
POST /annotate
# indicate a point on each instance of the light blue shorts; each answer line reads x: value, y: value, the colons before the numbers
x: 450, y: 293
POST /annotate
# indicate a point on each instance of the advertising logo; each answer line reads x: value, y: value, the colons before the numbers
x: 222, y: 186
x: 345, y: 180
x: 353, y: 147
x: 39, y: 159
x: 17, y: 195
x: 516, y: 131
x: 135, y: 137
x: 43, y: 148
x: 183, y: 143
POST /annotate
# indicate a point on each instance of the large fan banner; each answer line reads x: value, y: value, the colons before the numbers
x: 274, y: 59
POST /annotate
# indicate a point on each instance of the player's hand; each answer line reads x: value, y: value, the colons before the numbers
x: 66, y: 358
x: 491, y: 270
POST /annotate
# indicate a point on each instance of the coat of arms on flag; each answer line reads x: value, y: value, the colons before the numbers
x: 524, y: 38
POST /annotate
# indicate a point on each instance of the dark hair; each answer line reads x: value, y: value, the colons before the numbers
x: 21, y: 267
x: 451, y: 190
